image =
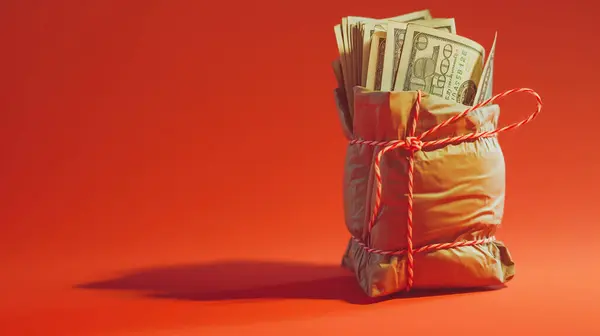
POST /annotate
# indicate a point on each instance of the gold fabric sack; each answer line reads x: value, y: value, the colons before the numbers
x: 458, y: 195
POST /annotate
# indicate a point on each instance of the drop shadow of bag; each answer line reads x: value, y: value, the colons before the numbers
x: 249, y: 280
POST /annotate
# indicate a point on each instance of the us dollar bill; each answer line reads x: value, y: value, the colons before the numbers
x: 396, y: 32
x: 446, y: 24
x: 339, y: 36
x: 347, y: 53
x: 376, y: 58
x: 354, y: 47
x: 368, y: 28
x: 347, y: 49
x: 484, y: 89
x: 439, y: 63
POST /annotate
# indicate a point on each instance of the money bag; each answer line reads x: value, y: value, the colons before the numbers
x: 453, y: 194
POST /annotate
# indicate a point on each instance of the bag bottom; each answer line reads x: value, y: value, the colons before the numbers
x: 485, y: 265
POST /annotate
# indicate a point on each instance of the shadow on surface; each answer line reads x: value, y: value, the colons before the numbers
x: 245, y: 280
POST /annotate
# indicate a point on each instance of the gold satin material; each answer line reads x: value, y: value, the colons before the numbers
x: 458, y: 195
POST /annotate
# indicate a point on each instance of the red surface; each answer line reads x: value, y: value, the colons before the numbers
x: 143, y: 142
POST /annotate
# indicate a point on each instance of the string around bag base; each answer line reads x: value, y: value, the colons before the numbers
x: 412, y: 144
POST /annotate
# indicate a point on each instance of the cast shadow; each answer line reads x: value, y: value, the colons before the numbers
x: 250, y: 280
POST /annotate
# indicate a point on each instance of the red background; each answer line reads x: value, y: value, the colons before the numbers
x: 143, y: 141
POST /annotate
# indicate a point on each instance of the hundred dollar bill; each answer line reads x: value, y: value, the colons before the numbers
x: 447, y: 24
x: 349, y: 37
x: 440, y: 63
x: 395, y: 39
x: 339, y: 37
x: 352, y: 27
x: 347, y: 49
x: 344, y: 42
x: 484, y: 89
x: 347, y: 53
x: 369, y: 27
x: 376, y: 58
x: 353, y: 49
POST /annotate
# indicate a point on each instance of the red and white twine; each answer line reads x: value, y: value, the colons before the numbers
x: 412, y: 144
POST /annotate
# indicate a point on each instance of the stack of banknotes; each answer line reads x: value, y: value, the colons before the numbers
x: 412, y: 52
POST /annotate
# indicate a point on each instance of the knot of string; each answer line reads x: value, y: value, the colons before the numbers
x: 412, y: 144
